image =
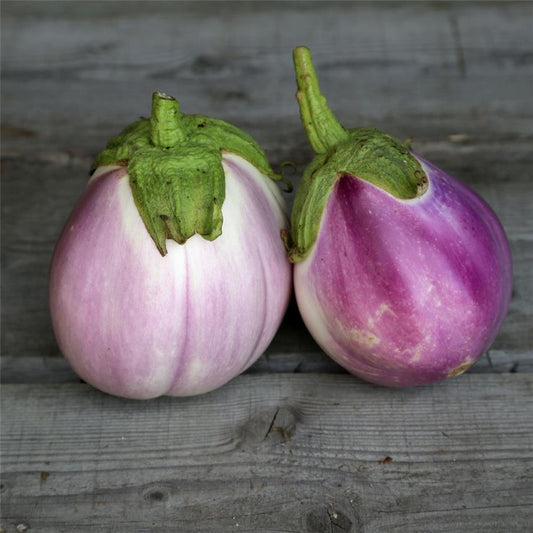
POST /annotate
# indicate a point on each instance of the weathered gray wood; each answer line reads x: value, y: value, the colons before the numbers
x: 16, y: 369
x: 272, y: 453
x: 431, y: 69
x: 412, y: 59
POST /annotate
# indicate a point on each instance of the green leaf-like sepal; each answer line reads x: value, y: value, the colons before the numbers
x: 174, y: 162
x: 364, y: 153
x: 186, y: 195
x: 368, y: 154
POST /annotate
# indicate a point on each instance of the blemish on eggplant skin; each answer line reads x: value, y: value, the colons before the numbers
x: 416, y: 357
x: 363, y: 336
x: 460, y: 369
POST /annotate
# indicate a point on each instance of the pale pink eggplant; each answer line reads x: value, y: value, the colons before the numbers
x: 136, y: 323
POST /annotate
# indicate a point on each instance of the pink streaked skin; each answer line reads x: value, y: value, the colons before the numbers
x: 136, y: 324
x: 406, y: 292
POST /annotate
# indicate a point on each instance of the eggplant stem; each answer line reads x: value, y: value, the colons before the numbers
x: 323, y: 130
x: 165, y: 123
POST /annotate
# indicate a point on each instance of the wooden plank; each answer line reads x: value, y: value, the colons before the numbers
x: 288, y: 453
x: 32, y: 369
x: 468, y: 62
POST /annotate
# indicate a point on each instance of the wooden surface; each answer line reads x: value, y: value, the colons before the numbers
x: 272, y: 453
x: 296, y: 444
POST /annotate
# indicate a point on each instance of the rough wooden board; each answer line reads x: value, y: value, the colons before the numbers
x: 277, y: 453
x: 76, y: 73
x: 377, y: 60
x: 32, y: 369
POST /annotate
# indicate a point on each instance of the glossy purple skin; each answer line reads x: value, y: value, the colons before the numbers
x: 136, y: 324
x: 406, y: 292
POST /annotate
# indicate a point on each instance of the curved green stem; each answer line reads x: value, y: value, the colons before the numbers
x: 166, y: 130
x: 323, y: 129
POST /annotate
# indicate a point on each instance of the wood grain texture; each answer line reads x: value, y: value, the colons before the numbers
x: 55, y: 370
x: 408, y: 58
x: 272, y: 453
x: 74, y: 76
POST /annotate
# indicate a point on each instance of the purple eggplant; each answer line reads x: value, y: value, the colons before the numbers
x: 402, y: 274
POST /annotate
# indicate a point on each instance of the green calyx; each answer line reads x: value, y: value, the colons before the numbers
x: 174, y: 162
x: 365, y: 153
